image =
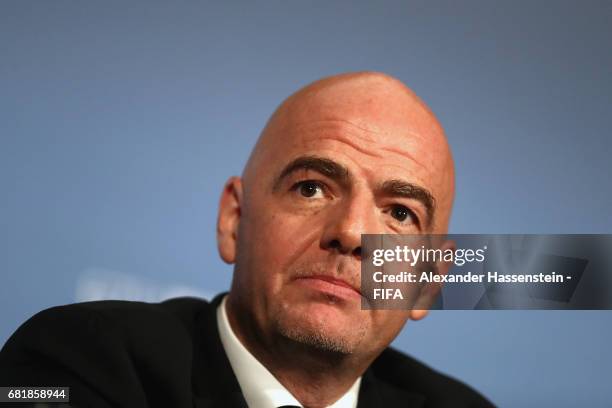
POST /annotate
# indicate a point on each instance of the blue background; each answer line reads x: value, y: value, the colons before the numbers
x: 120, y: 121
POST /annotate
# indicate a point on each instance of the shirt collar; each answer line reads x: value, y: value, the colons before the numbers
x: 259, y: 387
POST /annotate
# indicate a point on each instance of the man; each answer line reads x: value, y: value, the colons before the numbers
x: 347, y: 155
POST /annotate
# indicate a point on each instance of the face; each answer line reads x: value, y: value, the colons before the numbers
x: 329, y: 168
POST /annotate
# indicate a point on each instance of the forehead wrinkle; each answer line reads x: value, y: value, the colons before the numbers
x: 370, y: 152
x: 343, y: 122
x: 404, y: 153
x: 341, y: 128
x: 348, y: 141
x: 360, y: 135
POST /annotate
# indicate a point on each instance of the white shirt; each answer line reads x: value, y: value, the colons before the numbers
x: 259, y: 387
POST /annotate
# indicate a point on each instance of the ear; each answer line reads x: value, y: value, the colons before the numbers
x: 432, y: 290
x: 229, y: 218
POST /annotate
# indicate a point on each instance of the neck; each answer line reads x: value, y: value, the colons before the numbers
x: 316, y: 378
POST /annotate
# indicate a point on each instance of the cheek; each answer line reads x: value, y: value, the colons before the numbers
x: 270, y: 243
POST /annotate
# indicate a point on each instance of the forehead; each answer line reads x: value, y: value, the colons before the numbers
x: 374, y: 104
x: 355, y: 145
x: 379, y: 134
x: 378, y: 130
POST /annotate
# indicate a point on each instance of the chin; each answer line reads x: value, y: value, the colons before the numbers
x: 327, y: 327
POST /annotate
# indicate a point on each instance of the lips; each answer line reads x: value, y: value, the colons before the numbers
x: 331, y: 286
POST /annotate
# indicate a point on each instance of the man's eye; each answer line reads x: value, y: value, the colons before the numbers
x: 401, y: 213
x: 309, y: 188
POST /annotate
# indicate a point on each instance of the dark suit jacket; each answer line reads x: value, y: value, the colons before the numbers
x: 133, y: 354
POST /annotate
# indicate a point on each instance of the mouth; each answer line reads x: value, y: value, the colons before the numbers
x: 329, y: 285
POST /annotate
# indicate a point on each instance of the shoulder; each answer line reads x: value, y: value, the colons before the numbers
x: 398, y: 370
x: 107, y: 351
x: 127, y: 320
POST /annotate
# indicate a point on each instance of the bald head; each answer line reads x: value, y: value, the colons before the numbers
x: 370, y: 111
x: 376, y: 101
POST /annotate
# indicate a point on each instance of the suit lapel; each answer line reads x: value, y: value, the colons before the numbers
x: 214, y: 381
x: 375, y: 393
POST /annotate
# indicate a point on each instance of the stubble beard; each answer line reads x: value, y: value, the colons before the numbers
x: 318, y: 333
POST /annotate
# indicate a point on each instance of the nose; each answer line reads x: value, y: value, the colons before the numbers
x: 346, y: 223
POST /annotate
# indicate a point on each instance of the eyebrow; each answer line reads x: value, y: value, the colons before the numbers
x: 326, y: 167
x: 340, y: 174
